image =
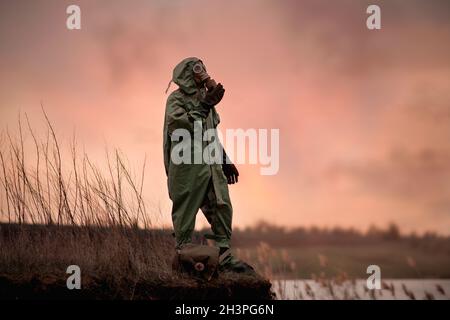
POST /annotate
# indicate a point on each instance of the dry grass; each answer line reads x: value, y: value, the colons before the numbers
x: 44, y: 188
x: 58, y: 208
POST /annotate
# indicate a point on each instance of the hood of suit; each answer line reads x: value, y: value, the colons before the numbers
x: 183, y: 75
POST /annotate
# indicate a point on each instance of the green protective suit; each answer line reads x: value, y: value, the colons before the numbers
x: 194, y: 186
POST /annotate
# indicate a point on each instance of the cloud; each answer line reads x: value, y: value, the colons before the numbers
x: 403, y: 175
x: 363, y: 116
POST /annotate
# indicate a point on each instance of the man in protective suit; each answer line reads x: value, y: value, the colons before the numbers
x: 193, y: 186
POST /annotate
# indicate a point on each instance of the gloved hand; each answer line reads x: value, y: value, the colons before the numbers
x: 231, y: 172
x: 213, y: 96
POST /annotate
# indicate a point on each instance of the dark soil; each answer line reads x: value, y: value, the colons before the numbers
x: 54, y: 288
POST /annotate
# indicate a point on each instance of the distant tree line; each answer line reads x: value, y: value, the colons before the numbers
x: 278, y: 236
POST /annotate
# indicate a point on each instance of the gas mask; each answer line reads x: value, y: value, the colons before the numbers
x: 202, y: 77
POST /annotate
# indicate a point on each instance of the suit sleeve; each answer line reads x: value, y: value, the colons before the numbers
x: 179, y: 116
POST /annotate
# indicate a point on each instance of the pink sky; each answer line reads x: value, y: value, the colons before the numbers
x: 364, y: 116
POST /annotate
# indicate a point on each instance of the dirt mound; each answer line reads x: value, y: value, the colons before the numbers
x: 52, y: 287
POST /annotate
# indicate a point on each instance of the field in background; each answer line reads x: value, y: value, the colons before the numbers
x: 396, y: 260
x: 310, y: 253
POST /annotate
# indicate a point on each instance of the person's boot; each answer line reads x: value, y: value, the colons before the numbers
x: 228, y: 263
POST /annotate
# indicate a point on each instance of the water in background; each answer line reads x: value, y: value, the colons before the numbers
x: 356, y: 289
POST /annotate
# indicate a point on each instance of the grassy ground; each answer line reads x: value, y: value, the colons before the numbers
x: 61, y: 209
x: 115, y: 263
